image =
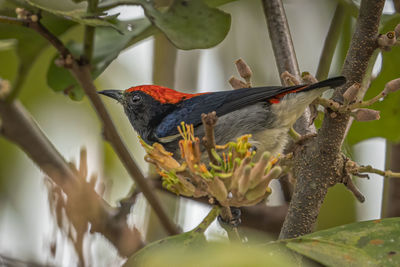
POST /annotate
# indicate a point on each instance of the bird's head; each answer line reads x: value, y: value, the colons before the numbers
x: 147, y: 105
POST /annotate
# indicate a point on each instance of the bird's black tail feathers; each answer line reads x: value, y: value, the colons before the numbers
x: 332, y: 82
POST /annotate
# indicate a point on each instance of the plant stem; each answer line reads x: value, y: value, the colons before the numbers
x: 331, y: 41
x: 205, y: 223
x: 88, y: 42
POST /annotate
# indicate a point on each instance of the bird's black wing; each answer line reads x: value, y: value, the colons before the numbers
x: 225, y: 102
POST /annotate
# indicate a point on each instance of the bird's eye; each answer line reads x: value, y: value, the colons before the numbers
x: 136, y: 99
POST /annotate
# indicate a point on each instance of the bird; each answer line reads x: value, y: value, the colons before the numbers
x: 267, y: 113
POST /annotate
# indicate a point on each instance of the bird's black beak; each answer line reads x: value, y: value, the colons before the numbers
x: 115, y: 94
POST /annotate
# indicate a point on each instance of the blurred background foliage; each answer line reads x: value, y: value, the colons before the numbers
x: 130, y: 50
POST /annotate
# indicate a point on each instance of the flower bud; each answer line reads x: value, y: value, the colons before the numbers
x: 351, y: 93
x: 365, y: 114
x: 244, y: 181
x: 243, y: 69
x: 387, y: 40
x: 236, y: 83
x: 258, y: 170
x: 218, y: 190
x: 308, y: 78
x: 289, y: 79
x: 392, y: 86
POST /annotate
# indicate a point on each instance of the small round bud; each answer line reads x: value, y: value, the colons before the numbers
x: 243, y: 69
x: 69, y: 60
x: 236, y: 83
x: 365, y: 114
x: 35, y: 18
x: 392, y: 86
x: 387, y: 40
x: 352, y: 92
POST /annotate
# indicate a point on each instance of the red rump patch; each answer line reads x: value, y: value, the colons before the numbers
x: 163, y: 94
x: 276, y: 99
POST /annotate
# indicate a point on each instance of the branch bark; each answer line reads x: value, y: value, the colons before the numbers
x: 392, y: 208
x: 319, y: 165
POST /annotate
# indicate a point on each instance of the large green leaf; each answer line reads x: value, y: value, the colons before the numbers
x: 107, y: 46
x: 389, y: 124
x: 370, y: 243
x: 187, y: 24
x: 71, y: 11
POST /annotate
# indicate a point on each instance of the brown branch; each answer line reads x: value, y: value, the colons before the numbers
x: 209, y: 121
x: 285, y: 58
x: 18, y: 127
x: 319, y: 164
x: 392, y: 208
x: 82, y: 74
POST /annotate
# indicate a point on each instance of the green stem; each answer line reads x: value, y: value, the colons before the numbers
x: 202, y: 227
x: 331, y: 41
x: 88, y: 43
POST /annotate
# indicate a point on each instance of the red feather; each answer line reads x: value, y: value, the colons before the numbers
x: 163, y: 94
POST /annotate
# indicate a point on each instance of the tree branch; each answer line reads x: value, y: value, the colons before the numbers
x: 319, y: 164
x: 82, y: 74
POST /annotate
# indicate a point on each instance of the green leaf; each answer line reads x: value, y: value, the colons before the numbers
x: 71, y: 11
x: 181, y: 242
x: 216, y: 255
x: 107, y: 46
x: 28, y: 43
x: 188, y: 24
x: 389, y: 124
x: 370, y: 243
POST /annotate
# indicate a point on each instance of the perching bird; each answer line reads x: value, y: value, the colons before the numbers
x: 265, y: 112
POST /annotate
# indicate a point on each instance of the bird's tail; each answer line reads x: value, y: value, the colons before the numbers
x: 332, y: 82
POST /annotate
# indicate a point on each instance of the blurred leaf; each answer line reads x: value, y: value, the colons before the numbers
x: 216, y: 255
x: 187, y: 24
x: 71, y: 11
x: 28, y: 43
x: 389, y: 124
x: 370, y: 243
x: 181, y: 242
x: 107, y: 46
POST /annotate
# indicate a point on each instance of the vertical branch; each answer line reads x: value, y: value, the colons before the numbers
x: 285, y: 55
x: 319, y: 164
x: 88, y: 42
x: 330, y: 43
x: 392, y: 208
x: 281, y: 39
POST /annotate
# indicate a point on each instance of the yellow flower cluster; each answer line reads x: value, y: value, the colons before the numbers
x: 233, y: 179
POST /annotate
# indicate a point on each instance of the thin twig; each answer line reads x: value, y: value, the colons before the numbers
x: 83, y: 76
x: 331, y: 40
x: 88, y: 40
